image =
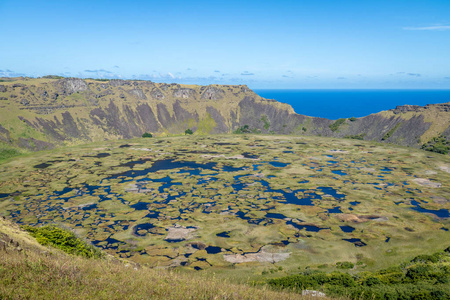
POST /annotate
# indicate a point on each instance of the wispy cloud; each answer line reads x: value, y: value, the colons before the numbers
x: 98, y: 71
x: 408, y: 74
x: 246, y: 73
x: 10, y: 73
x: 429, y: 28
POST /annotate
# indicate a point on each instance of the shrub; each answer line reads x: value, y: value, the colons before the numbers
x: 437, y: 144
x: 243, y: 129
x: 6, y: 153
x: 53, y: 77
x: 147, y: 135
x: 63, y: 239
x: 188, y: 131
x: 335, y: 125
x: 426, y: 258
x: 265, y: 119
x: 371, y: 280
x: 341, y: 279
x: 424, y: 277
x: 356, y: 137
x: 390, y: 132
x: 345, y: 265
x: 352, y: 119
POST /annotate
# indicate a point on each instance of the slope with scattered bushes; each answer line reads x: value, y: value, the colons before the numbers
x: 29, y: 270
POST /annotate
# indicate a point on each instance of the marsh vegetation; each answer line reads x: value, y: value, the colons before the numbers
x: 247, y: 202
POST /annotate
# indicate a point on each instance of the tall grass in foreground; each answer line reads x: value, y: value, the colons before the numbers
x: 32, y: 275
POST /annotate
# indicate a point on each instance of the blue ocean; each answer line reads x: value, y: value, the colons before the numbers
x: 335, y: 104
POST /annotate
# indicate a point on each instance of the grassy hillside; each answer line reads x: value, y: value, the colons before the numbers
x: 43, y: 113
x: 46, y: 112
x: 31, y: 271
x: 423, y: 277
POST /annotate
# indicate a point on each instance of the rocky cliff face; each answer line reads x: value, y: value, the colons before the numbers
x: 44, y: 113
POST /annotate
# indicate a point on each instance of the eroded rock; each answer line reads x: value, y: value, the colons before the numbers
x: 183, y: 93
x: 72, y: 85
x: 213, y: 93
x: 180, y: 233
x: 427, y: 182
x: 266, y: 254
x: 138, y: 93
x: 360, y: 218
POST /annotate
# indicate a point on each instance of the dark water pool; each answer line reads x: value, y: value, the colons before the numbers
x: 42, y: 166
x: 311, y: 228
x: 335, y: 210
x: 441, y: 213
x: 225, y: 234
x: 347, y: 228
x: 356, y: 242
x: 338, y: 172
x: 213, y: 250
x: 145, y: 226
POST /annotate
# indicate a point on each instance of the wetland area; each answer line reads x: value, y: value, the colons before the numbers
x: 238, y: 201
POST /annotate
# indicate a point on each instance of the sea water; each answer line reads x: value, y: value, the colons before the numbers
x: 335, y: 104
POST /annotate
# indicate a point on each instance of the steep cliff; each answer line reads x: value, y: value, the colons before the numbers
x: 44, y: 113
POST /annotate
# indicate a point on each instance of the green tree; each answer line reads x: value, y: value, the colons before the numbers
x: 188, y: 131
x: 147, y: 135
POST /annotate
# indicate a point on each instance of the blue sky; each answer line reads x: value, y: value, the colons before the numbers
x: 264, y: 44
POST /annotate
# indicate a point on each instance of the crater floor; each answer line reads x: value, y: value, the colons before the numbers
x: 238, y: 201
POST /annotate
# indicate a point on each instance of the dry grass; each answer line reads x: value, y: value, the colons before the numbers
x: 35, y: 274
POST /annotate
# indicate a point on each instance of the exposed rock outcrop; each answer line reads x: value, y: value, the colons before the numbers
x: 73, y: 110
x: 183, y: 93
x: 213, y: 93
x: 68, y: 86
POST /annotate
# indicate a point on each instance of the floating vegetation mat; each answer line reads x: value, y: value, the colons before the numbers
x: 235, y: 201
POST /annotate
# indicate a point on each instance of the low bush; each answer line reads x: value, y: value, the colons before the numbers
x: 424, y: 277
x: 437, y: 144
x: 266, y: 122
x: 356, y: 137
x: 345, y: 265
x: 63, y: 239
x: 390, y: 132
x: 242, y: 129
x: 6, y: 153
x: 335, y: 125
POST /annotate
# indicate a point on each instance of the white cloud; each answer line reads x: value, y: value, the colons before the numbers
x: 436, y: 27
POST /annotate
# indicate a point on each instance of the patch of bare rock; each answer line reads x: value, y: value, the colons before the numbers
x: 360, y: 218
x: 180, y: 233
x: 427, y: 182
x: 266, y: 254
